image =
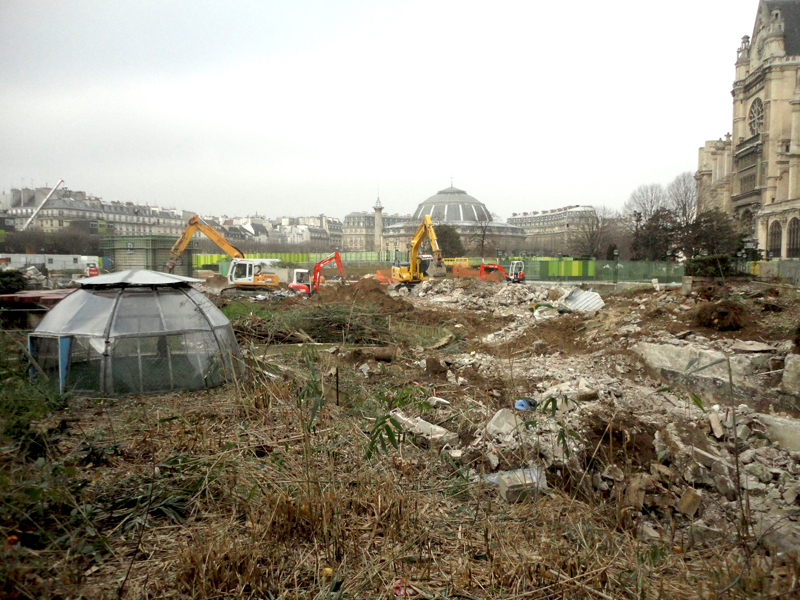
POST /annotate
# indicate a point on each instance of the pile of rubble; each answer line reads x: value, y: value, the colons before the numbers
x: 690, y: 474
x: 680, y: 485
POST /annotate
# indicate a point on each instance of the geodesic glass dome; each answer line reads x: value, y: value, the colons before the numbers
x: 135, y: 332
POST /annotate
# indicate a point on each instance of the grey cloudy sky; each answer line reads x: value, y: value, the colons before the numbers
x: 310, y: 106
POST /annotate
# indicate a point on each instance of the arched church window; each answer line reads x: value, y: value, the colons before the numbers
x: 793, y: 247
x: 774, y: 240
x: 756, y: 117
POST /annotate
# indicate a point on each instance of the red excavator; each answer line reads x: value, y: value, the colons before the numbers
x: 516, y: 275
x: 301, y: 282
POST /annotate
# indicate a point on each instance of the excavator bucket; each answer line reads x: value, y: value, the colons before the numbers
x: 437, y: 269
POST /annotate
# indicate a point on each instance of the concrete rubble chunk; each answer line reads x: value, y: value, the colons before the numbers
x: 523, y: 483
x: 543, y: 313
x: 613, y: 472
x: 791, y: 374
x: 671, y: 361
x: 690, y: 502
x: 426, y: 432
x: 742, y: 432
x: 503, y: 422
x: 598, y: 483
x: 647, y: 534
x: 786, y: 432
x: 747, y: 456
x: 751, y: 346
x: 636, y: 489
x: 759, y: 471
x: 716, y: 425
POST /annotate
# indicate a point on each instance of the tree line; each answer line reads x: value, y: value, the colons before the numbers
x: 657, y: 223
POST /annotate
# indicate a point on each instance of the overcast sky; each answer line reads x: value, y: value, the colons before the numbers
x: 289, y: 108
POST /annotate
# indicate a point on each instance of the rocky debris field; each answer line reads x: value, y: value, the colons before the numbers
x: 461, y: 439
x: 696, y: 460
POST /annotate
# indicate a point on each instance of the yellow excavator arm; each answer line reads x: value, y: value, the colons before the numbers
x: 414, y: 273
x: 195, y: 224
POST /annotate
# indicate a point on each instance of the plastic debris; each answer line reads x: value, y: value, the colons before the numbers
x: 526, y: 404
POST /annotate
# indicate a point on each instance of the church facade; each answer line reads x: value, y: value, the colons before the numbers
x: 753, y: 174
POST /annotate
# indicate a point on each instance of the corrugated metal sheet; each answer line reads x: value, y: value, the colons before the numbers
x: 584, y: 301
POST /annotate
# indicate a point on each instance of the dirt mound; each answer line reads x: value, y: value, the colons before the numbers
x: 366, y: 292
x: 725, y: 315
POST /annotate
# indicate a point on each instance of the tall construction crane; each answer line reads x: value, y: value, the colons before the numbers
x: 244, y: 273
x: 41, y: 206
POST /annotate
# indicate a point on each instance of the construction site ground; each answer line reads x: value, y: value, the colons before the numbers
x: 369, y: 450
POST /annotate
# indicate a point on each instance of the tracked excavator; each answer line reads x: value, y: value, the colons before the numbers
x: 420, y: 267
x: 244, y: 273
x: 516, y: 272
x: 302, y: 284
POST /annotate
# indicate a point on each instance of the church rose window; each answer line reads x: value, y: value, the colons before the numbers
x: 756, y: 117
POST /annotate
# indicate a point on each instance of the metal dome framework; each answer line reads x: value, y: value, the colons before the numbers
x: 135, y: 333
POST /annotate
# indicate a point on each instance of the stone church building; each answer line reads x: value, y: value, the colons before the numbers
x: 754, y: 172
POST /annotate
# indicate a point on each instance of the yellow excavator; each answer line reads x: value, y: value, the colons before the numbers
x: 420, y: 267
x: 244, y: 273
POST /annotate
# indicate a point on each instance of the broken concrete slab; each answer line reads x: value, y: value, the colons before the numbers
x: 636, y: 489
x: 751, y: 346
x: 503, y: 422
x: 716, y: 425
x: 671, y: 362
x: 790, y: 383
x: 523, y: 483
x: 759, y: 471
x: 690, y: 501
x: 786, y: 432
x: 425, y: 432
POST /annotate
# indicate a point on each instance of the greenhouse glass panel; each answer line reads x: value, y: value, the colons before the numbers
x: 85, y: 364
x: 229, y: 356
x: 180, y: 312
x: 438, y: 212
x: 154, y: 354
x: 125, y: 366
x: 81, y: 312
x: 137, y: 312
x: 45, y: 351
x: 212, y: 312
x: 469, y: 213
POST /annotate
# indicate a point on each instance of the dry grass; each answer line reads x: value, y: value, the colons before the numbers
x: 249, y: 492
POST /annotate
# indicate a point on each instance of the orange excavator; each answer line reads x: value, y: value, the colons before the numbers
x: 516, y: 275
x: 244, y: 273
x: 301, y: 282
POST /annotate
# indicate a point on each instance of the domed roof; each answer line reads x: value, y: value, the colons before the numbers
x: 452, y: 205
x: 137, y: 332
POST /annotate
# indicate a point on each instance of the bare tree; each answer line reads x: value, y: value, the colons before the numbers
x: 481, y: 236
x: 682, y: 198
x: 593, y: 235
x: 646, y: 200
